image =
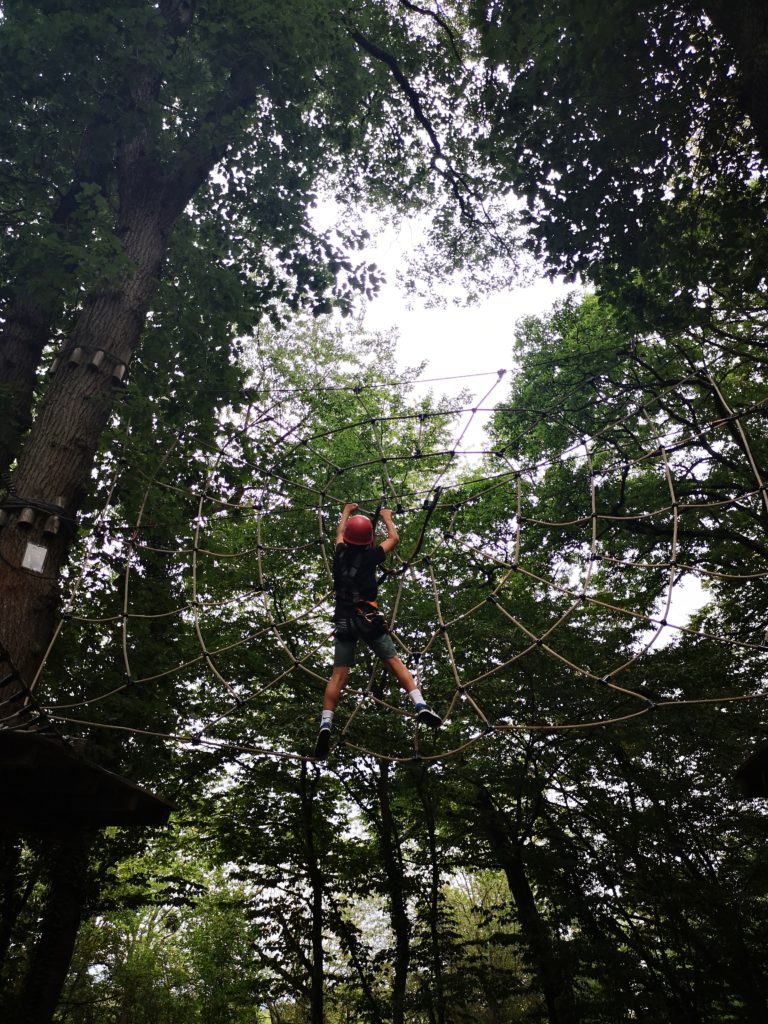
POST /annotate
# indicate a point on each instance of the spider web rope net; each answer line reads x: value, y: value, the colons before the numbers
x: 237, y: 548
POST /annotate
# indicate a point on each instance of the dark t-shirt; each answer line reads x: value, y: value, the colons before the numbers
x: 354, y: 575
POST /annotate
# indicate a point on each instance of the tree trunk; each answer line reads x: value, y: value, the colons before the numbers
x: 56, y: 461
x: 23, y: 337
x: 435, y: 881
x: 398, y: 909
x: 29, y: 313
x: 547, y: 962
x: 315, y: 875
x: 62, y: 913
x: 55, y: 465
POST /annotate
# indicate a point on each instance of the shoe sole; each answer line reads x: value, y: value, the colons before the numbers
x: 430, y: 718
x: 323, y: 744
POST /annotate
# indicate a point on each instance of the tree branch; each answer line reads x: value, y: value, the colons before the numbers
x: 414, y: 101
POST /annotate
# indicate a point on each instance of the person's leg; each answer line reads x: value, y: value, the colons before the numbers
x: 395, y: 666
x: 425, y: 714
x: 343, y: 659
x: 334, y: 686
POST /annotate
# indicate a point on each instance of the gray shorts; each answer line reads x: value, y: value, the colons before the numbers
x: 344, y: 651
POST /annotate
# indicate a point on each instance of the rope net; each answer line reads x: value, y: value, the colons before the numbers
x: 526, y: 595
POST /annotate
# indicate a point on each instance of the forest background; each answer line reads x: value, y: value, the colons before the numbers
x: 188, y: 399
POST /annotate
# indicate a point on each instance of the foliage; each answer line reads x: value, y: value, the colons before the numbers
x: 155, y: 951
x: 577, y: 862
x: 623, y: 128
x: 628, y: 839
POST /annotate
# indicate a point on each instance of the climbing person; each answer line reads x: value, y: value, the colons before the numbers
x: 357, y: 616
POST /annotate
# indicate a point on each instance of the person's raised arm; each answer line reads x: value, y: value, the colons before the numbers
x: 392, y: 535
x: 347, y: 511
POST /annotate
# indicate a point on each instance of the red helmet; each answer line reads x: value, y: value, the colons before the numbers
x: 359, y: 530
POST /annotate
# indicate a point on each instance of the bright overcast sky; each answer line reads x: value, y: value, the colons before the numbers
x: 455, y: 340
x: 460, y: 340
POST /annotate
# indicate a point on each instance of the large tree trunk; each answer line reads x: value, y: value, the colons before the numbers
x: 31, y: 308
x: 55, y: 465
x: 56, y: 461
x: 29, y: 312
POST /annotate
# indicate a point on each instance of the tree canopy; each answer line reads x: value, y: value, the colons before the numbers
x: 633, y: 135
x: 188, y: 403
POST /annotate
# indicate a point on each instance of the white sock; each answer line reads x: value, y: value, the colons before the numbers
x: 416, y: 697
x: 326, y: 719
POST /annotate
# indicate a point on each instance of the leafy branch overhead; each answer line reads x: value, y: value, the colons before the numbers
x: 637, y: 135
x: 186, y: 194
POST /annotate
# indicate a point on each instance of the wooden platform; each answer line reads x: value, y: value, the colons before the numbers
x: 45, y: 785
x: 752, y: 776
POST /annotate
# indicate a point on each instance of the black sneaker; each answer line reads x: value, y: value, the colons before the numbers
x: 323, y: 744
x: 428, y: 717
